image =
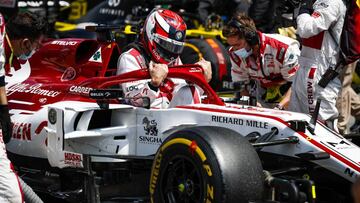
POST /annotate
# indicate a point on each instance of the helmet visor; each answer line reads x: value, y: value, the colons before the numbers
x: 170, y: 45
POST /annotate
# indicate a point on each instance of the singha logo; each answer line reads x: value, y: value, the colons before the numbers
x: 150, y: 127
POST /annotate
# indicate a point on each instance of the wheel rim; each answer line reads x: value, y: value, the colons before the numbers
x: 182, y: 181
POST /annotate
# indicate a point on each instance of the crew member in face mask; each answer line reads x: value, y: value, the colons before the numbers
x: 18, y: 39
x: 271, y: 60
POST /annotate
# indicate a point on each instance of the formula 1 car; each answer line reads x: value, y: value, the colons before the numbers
x: 77, y: 138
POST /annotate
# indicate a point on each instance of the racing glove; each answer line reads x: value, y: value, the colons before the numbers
x: 306, y: 6
x: 158, y: 73
x: 5, y: 121
x: 206, y: 66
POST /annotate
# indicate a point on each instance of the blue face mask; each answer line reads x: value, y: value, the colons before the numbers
x: 242, y: 53
x: 25, y: 57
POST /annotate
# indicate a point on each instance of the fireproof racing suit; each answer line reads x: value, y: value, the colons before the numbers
x: 320, y: 32
x: 10, y: 190
x: 172, y: 92
x: 278, y: 65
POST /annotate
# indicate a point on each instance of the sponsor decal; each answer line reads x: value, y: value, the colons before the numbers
x: 281, y: 54
x: 69, y: 74
x: 78, y: 9
x: 42, y: 100
x: 157, y: 56
x: 323, y: 5
x: 114, y: 3
x: 73, y: 159
x: 269, y: 60
x: 227, y: 85
x: 96, y: 57
x: 22, y: 131
x: 155, y: 172
x: 80, y: 89
x: 350, y: 173
x: 141, y: 61
x: 178, y: 35
x: 113, y: 12
x: 132, y: 88
x: 151, y: 132
x: 291, y: 56
x: 31, y: 89
x: 64, y: 43
x: 239, y: 121
x: 310, y: 90
x: 315, y: 14
x: 8, y: 3
x: 338, y: 145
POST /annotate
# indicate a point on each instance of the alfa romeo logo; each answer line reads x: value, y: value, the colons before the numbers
x: 178, y: 36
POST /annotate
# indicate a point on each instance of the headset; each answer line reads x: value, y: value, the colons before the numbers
x: 250, y: 35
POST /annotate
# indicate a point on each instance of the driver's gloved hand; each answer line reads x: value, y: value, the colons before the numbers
x: 306, y: 6
x: 5, y: 121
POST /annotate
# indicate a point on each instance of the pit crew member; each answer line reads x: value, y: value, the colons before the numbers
x: 271, y: 60
x: 161, y: 43
x: 319, y: 24
x: 18, y: 38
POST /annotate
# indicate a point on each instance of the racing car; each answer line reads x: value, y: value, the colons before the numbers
x: 76, y: 137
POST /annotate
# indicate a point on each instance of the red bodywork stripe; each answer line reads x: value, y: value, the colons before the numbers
x: 41, y: 126
x: 195, y: 95
x: 314, y: 142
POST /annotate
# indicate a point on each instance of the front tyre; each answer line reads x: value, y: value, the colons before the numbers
x: 206, y: 164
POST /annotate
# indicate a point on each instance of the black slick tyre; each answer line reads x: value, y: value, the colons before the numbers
x: 204, y: 165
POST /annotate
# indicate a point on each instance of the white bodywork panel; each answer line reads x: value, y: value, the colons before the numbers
x: 138, y: 132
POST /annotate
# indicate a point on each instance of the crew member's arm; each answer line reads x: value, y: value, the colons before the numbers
x: 4, y: 112
x: 316, y: 18
x: 288, y: 70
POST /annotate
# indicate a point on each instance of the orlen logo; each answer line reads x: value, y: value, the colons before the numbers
x: 64, y: 43
x: 22, y: 131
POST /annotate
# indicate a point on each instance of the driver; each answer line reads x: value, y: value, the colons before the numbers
x: 161, y: 43
x: 20, y: 37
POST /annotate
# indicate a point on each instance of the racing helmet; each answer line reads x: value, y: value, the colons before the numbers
x: 163, y: 35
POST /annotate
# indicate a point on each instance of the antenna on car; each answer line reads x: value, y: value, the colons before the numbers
x: 314, y: 117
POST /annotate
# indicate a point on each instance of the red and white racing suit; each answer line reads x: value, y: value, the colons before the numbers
x: 10, y: 190
x: 320, y: 51
x: 279, y: 63
x: 172, y: 92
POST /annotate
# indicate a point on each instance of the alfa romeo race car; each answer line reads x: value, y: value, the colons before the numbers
x: 77, y: 138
